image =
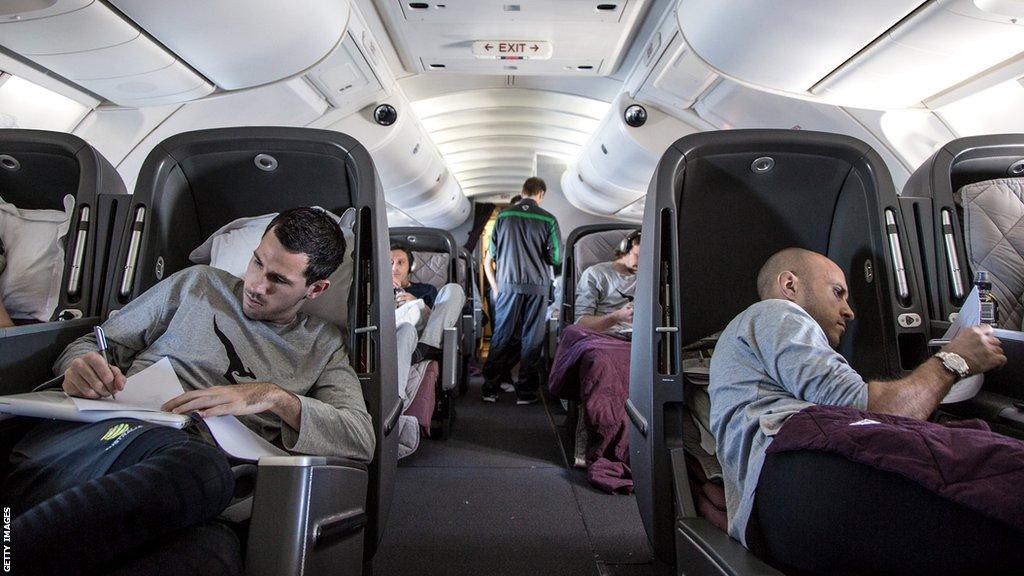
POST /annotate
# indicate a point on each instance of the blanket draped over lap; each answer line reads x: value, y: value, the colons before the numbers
x: 594, y: 368
x: 962, y: 461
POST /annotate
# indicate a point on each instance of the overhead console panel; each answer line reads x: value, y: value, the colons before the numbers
x: 878, y: 54
x: 92, y: 45
x: 564, y: 38
x: 244, y: 43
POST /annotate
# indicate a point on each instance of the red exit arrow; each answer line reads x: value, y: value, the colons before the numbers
x: 488, y: 47
x: 535, y: 47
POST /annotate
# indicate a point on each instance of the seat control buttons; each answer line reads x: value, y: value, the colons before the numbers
x: 909, y: 320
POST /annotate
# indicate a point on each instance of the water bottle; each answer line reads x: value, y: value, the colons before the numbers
x: 989, y: 306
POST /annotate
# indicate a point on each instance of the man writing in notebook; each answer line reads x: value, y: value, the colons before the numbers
x: 239, y: 347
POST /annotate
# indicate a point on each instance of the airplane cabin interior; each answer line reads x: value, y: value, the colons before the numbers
x: 512, y: 287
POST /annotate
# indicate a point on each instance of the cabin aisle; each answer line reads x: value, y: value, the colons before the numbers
x: 498, y: 498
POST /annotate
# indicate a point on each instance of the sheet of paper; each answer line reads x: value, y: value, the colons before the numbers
x: 238, y: 440
x: 970, y: 315
x: 147, y: 390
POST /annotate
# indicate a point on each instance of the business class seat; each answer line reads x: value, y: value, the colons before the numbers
x: 585, y: 246
x: 310, y: 515
x: 437, y: 263
x: 37, y: 169
x: 719, y: 204
x: 957, y: 236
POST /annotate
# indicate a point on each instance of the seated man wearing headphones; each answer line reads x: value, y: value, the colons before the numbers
x: 604, y: 292
x: 444, y: 307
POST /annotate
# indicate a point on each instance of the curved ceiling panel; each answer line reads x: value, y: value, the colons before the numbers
x: 265, y: 40
x: 490, y: 138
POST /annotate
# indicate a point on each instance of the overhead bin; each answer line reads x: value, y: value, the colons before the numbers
x: 615, y: 166
x: 876, y: 54
x: 142, y: 53
x: 95, y: 47
x: 414, y: 178
x: 266, y: 40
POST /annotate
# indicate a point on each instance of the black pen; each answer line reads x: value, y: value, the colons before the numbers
x: 101, y: 341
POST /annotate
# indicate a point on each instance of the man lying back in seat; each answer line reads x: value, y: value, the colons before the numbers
x: 604, y: 292
x: 444, y: 309
x: 239, y: 347
x: 778, y: 357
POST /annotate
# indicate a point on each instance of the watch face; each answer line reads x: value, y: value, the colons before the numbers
x: 954, y: 363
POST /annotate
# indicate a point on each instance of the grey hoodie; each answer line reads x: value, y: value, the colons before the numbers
x: 195, y: 319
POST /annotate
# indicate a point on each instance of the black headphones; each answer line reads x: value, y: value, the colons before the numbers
x: 627, y: 242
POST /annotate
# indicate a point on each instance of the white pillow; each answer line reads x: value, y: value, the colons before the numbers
x: 30, y: 283
x: 231, y: 247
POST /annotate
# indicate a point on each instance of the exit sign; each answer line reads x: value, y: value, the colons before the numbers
x: 512, y: 49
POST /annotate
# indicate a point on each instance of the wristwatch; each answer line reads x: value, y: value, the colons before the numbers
x: 955, y: 363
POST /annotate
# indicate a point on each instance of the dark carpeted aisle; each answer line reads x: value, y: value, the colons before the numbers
x: 497, y: 498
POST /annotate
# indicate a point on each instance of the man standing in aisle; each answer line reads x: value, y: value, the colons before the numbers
x: 525, y: 241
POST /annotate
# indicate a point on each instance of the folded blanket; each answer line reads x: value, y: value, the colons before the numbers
x: 962, y: 461
x: 594, y: 368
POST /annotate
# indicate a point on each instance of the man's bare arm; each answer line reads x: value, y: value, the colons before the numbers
x: 238, y: 400
x: 919, y: 393
x: 600, y: 323
x: 489, y: 272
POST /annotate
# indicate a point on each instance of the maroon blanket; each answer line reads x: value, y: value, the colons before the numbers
x: 963, y: 461
x: 422, y: 405
x: 594, y: 368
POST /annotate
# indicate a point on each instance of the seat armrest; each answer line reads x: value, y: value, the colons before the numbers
x: 450, y: 358
x: 28, y: 352
x: 552, y: 338
x: 308, y: 516
x: 468, y: 339
x: 702, y: 549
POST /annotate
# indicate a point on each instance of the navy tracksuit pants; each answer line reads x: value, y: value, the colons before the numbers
x: 518, y: 337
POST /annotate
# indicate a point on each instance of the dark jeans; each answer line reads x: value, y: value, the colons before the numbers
x: 118, y: 496
x: 818, y: 513
x: 518, y: 337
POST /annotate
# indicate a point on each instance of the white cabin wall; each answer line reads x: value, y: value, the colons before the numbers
x: 557, y: 202
x: 731, y: 105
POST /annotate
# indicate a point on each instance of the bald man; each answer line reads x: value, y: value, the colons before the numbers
x: 778, y: 357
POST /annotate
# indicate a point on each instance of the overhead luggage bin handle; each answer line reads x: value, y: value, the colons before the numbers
x: 951, y: 258
x: 902, y: 288
x: 75, y: 278
x: 666, y: 329
x: 133, y: 252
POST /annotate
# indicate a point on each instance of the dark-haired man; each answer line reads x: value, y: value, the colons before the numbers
x: 524, y: 243
x: 444, y: 307
x: 239, y: 347
x: 778, y: 357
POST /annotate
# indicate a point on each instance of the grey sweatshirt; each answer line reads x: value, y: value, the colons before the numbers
x: 602, y: 290
x: 195, y: 319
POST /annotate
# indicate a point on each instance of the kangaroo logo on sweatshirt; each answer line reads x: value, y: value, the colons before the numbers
x: 236, y: 368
